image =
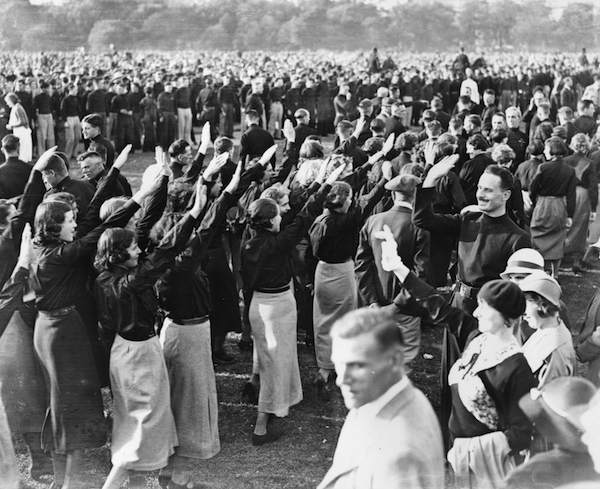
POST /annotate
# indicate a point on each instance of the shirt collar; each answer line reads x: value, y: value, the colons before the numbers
x: 372, y: 408
x: 408, y: 205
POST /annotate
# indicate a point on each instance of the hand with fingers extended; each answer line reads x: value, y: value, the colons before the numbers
x: 440, y: 170
x: 215, y: 166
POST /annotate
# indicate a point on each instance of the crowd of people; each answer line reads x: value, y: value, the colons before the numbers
x: 481, y: 175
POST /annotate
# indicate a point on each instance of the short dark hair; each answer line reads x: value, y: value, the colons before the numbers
x: 380, y: 322
x: 223, y: 144
x: 507, y: 181
x: 556, y: 146
x: 406, y: 141
x: 112, y: 248
x: 49, y: 217
x: 11, y: 143
x: 474, y: 119
x: 429, y: 115
x: 252, y: 115
x: 464, y: 99
x: 498, y: 135
x: 178, y: 147
x: 337, y: 195
x: 478, y: 142
x: 93, y: 120
x: 260, y: 213
x: 489, y: 91
x: 545, y: 308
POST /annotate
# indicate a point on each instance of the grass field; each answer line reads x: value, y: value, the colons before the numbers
x: 301, y: 458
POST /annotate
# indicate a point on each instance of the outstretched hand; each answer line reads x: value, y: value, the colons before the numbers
x: 122, y: 158
x: 288, y: 131
x: 440, y: 170
x: 42, y: 161
x: 215, y: 166
x: 390, y: 260
x: 267, y: 155
x: 335, y: 174
x: 389, y: 144
x: 235, y: 179
x: 25, y: 250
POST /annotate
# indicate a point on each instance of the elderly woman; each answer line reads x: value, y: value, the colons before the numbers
x: 553, y: 195
x: 18, y: 122
x: 586, y: 198
x: 487, y: 426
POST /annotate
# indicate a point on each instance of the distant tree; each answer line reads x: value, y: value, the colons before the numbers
x: 106, y: 32
x: 16, y: 17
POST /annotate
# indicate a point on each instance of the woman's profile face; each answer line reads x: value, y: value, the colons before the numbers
x: 134, y: 254
x: 276, y: 223
x: 68, y: 227
x: 489, y: 319
x: 215, y: 190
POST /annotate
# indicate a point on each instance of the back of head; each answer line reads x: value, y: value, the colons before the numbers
x: 503, y: 154
x: 581, y: 143
x: 252, y: 115
x: 337, y: 195
x: 311, y: 149
x: 178, y: 147
x: 478, y: 142
x: 49, y: 217
x: 110, y: 206
x: 555, y: 146
x: 112, y: 248
x: 261, y: 212
x: 223, y: 144
x: 11, y: 144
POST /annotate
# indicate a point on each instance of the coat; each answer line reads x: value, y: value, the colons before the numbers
x: 403, y: 449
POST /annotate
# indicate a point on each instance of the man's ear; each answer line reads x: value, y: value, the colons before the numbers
x: 506, y: 196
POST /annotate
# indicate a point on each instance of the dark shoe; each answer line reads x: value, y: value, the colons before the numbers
x: 321, y: 385
x: 245, y: 345
x: 585, y: 265
x: 163, y: 481
x: 249, y: 393
x: 578, y: 270
x: 41, y: 465
x: 270, y: 436
x: 223, y: 358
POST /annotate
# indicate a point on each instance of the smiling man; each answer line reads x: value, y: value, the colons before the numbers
x: 391, y: 437
x: 486, y: 239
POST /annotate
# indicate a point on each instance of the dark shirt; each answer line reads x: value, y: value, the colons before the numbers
x: 266, y: 260
x: 165, y: 103
x: 254, y: 142
x: 557, y: 179
x: 125, y: 297
x: 42, y: 104
x: 470, y: 173
x: 14, y: 175
x: 183, y: 98
x: 226, y: 95
x: 81, y: 189
x: 276, y: 94
x: 122, y: 187
x: 518, y: 141
x: 120, y: 103
x: 69, y: 107
x: 59, y: 271
x: 207, y: 99
x: 96, y: 102
x: 110, y: 149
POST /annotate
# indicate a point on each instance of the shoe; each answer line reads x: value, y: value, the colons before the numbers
x: 245, y: 345
x: 40, y: 467
x: 222, y: 357
x: 578, y: 270
x: 163, y: 481
x: 249, y: 393
x: 309, y: 340
x: 585, y: 264
x: 321, y: 385
x: 188, y: 485
x: 269, y: 437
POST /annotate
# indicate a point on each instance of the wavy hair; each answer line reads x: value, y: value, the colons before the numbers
x: 112, y: 248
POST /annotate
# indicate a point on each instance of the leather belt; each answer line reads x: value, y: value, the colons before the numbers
x: 276, y: 290
x: 467, y: 291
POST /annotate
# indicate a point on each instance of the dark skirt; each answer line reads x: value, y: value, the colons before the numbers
x: 225, y: 314
x: 75, y: 419
x: 22, y: 386
x: 549, y: 226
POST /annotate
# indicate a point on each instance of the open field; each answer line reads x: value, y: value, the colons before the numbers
x: 301, y: 458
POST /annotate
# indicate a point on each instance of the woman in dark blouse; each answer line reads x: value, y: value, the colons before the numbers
x: 59, y: 274
x: 487, y: 425
x: 267, y: 272
x: 144, y: 434
x: 553, y: 195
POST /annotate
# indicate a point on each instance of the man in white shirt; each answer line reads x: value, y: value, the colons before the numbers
x: 391, y: 437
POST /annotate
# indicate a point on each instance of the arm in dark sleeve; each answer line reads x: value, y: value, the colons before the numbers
x: 422, y: 262
x: 32, y: 197
x: 592, y: 187
x: 459, y: 201
x: 193, y: 172
x: 106, y: 188
x: 519, y: 429
x: 365, y: 269
x: 425, y: 218
x: 153, y: 209
x: 461, y: 325
x: 290, y: 158
x: 369, y: 201
x: 11, y: 296
x: 571, y: 195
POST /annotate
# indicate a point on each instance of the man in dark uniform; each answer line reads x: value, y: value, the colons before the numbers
x: 14, y: 173
x: 165, y: 105
x: 121, y: 106
x: 255, y: 140
x: 302, y: 130
x: 92, y: 168
x: 96, y: 102
x: 517, y: 139
x: 378, y: 287
x: 227, y: 98
x: 486, y: 239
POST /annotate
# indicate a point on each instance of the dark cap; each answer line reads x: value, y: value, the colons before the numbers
x: 365, y: 103
x: 377, y: 124
x: 405, y: 183
x: 504, y: 296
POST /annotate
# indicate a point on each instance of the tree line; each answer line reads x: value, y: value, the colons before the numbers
x: 244, y: 25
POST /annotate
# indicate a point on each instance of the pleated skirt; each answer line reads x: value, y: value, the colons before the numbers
x: 335, y: 295
x: 225, y: 312
x: 22, y: 387
x: 144, y: 434
x: 577, y: 234
x: 188, y: 356
x: 273, y: 321
x: 75, y: 418
x: 549, y: 226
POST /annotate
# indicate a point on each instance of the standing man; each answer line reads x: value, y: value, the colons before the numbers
x: 206, y: 107
x: 42, y: 106
x: 517, y: 139
x: 14, y: 173
x: 184, y: 109
x: 391, y: 437
x: 276, y: 113
x: 226, y: 99
x: 69, y: 109
x: 91, y: 128
x: 255, y: 140
x: 96, y: 102
x: 165, y: 106
x: 486, y: 239
x: 377, y: 287
x: 302, y: 129
x: 121, y: 106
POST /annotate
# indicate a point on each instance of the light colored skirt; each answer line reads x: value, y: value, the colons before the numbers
x: 188, y: 357
x: 9, y: 473
x: 335, y: 295
x: 26, y: 143
x: 273, y: 322
x: 144, y: 433
x: 22, y: 386
x: 549, y: 226
x: 577, y: 233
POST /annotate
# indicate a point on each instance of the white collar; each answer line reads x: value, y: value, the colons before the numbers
x: 401, y: 203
